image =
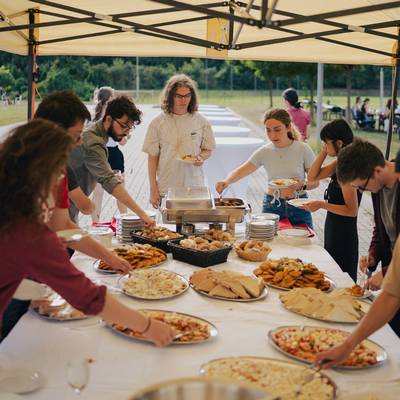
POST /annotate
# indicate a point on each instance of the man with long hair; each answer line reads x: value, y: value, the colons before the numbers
x: 177, y: 132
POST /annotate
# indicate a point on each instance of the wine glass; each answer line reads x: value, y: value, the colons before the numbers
x: 78, y: 374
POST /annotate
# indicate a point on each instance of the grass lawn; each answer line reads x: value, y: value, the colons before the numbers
x: 250, y: 104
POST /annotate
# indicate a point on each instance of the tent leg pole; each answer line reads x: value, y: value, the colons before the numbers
x: 31, y: 66
x: 395, y: 79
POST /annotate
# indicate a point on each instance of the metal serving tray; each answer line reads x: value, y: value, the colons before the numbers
x: 196, y: 197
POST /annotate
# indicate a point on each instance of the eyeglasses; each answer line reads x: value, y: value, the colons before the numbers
x: 363, y: 188
x: 183, y: 96
x: 125, y: 127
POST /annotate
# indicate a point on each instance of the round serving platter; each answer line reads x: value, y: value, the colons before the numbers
x: 263, y: 294
x: 57, y: 319
x: 213, y: 331
x: 131, y: 275
x: 380, y: 351
x: 331, y: 281
x: 364, y: 309
x: 112, y: 272
x: 270, y: 362
x: 285, y: 183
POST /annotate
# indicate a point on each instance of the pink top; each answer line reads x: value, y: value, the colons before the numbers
x: 34, y: 251
x: 301, y: 119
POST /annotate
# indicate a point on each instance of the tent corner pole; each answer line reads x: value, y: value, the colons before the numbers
x: 395, y: 81
x: 31, y: 65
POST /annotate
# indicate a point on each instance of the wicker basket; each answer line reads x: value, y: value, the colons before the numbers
x: 199, y: 257
x: 253, y: 255
x: 161, y: 244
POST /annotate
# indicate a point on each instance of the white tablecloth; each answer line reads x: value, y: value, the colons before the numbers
x: 230, y: 153
x: 230, y: 131
x: 122, y: 366
x: 231, y: 121
x: 221, y: 113
x: 210, y: 107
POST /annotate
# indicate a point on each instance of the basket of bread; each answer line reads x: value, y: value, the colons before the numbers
x: 157, y: 236
x: 253, y: 250
x: 200, y: 251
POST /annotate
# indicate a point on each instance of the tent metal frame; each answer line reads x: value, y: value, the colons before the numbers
x: 117, y: 23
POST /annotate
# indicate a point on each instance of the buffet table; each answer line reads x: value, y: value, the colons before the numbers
x: 229, y: 154
x: 121, y: 366
x: 230, y: 121
x: 230, y: 131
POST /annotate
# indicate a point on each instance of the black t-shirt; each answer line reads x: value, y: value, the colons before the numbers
x: 72, y: 181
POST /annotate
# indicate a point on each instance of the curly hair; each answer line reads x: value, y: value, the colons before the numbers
x: 104, y: 95
x: 283, y: 116
x: 29, y: 159
x: 358, y: 161
x: 169, y: 91
x: 123, y: 105
x: 63, y: 108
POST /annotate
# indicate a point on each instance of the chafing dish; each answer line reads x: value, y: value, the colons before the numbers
x: 200, y: 388
x: 195, y: 197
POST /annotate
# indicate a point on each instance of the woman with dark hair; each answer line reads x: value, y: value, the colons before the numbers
x: 177, y: 132
x: 341, y: 201
x: 36, y: 154
x: 300, y: 117
x: 284, y: 157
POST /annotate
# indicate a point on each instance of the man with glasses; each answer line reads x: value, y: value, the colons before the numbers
x: 363, y: 165
x: 89, y: 161
x: 177, y: 132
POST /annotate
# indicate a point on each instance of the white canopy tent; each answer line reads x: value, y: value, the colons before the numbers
x: 348, y: 32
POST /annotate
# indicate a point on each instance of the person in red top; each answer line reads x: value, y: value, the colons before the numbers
x: 300, y: 117
x: 36, y: 154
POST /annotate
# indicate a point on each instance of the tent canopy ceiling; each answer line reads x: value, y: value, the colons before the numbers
x: 340, y: 31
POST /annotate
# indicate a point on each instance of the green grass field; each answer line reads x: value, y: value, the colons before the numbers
x: 250, y: 104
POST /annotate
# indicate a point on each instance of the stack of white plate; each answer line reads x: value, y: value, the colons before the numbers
x: 261, y: 230
x: 126, y: 223
x: 267, y: 217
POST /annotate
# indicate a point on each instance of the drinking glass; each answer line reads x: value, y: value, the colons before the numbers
x: 78, y: 374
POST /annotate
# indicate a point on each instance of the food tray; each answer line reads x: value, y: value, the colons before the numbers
x: 161, y: 244
x: 212, y: 328
x: 210, y: 369
x: 241, y: 205
x: 263, y: 294
x: 198, y: 257
x: 380, y: 351
x: 196, y: 197
x: 327, y: 278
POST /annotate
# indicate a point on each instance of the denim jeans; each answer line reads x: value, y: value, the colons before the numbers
x: 295, y: 215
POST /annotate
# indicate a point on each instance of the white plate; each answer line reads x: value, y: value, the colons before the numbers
x: 72, y: 235
x: 186, y: 161
x: 294, y: 232
x: 20, y: 381
x: 281, y: 183
x: 298, y: 202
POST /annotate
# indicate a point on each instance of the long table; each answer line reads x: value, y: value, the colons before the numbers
x: 122, y: 366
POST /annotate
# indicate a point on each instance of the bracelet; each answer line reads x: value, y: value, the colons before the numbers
x: 147, y: 326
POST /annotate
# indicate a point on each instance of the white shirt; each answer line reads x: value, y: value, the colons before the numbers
x: 173, y: 136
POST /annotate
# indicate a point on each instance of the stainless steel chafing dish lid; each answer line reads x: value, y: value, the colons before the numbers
x: 195, y: 197
x: 200, y: 389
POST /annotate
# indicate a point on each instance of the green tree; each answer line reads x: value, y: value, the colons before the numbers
x: 7, y: 80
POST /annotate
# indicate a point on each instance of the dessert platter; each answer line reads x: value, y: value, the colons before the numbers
x: 304, y: 342
x: 282, y: 379
x: 53, y: 307
x: 153, y: 284
x: 336, y: 306
x: 253, y: 250
x: 138, y: 255
x: 189, y: 329
x: 228, y: 285
x: 288, y: 273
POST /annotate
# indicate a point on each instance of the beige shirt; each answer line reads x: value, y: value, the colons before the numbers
x: 173, y: 136
x: 391, y: 282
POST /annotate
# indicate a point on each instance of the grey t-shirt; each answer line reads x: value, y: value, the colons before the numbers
x: 286, y: 162
x: 388, y: 211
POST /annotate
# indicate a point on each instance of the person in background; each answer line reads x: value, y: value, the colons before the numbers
x: 367, y: 114
x: 341, y: 202
x: 363, y: 166
x: 382, y: 310
x: 356, y: 107
x: 177, y: 132
x: 284, y: 157
x: 115, y: 156
x: 299, y: 116
x: 36, y: 153
x: 89, y: 161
